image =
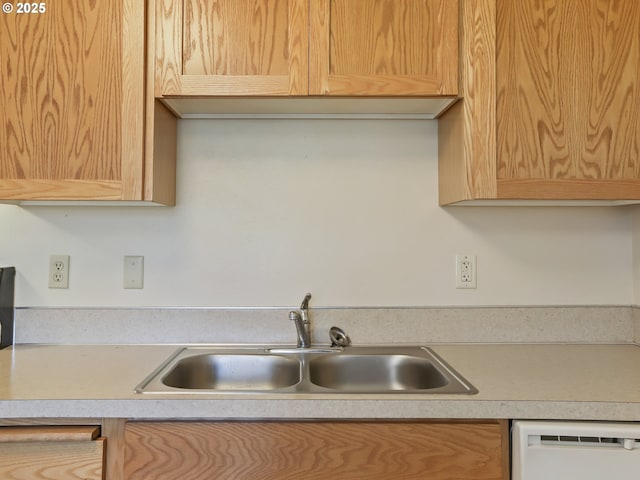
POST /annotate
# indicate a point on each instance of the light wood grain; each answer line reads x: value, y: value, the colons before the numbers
x: 47, y: 452
x: 466, y: 132
x: 160, y: 155
x: 231, y: 47
x: 113, y: 431
x: 538, y: 189
x: 235, y: 37
x: 384, y: 47
x: 387, y: 37
x: 161, y: 131
x: 298, y: 47
x: 133, y: 99
x: 71, y: 126
x: 346, y: 450
x: 26, y: 81
x: 83, y: 127
x: 568, y: 96
x: 67, y: 433
x: 551, y: 107
x: 48, y: 460
x: 60, y: 189
x: 319, y: 47
x: 167, y: 40
x: 454, y: 162
x: 234, y: 85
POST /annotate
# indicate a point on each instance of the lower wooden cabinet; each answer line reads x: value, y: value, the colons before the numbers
x: 316, y: 450
x: 51, y: 452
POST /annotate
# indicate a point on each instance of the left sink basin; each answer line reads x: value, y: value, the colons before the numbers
x: 233, y: 372
x: 204, y: 370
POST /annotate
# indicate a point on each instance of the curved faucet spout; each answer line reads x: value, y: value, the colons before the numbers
x: 304, y: 308
x: 301, y: 320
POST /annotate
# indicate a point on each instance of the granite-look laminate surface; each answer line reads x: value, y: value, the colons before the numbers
x: 118, y: 326
x: 589, y: 382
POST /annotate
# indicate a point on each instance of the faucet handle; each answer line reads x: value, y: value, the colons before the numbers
x: 305, y: 302
x: 304, y: 309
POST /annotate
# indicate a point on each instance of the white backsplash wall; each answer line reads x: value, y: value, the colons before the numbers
x: 347, y: 209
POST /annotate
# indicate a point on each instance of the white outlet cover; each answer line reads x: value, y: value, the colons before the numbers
x: 59, y: 271
x: 466, y: 271
x: 133, y: 271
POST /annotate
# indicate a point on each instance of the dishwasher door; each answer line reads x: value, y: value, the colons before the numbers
x: 580, y: 450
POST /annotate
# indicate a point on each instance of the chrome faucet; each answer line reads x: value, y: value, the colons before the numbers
x: 301, y: 321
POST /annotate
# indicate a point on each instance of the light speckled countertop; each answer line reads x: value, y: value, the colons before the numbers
x: 538, y: 381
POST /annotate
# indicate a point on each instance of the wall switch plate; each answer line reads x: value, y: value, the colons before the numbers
x: 133, y: 272
x: 59, y: 271
x: 465, y: 271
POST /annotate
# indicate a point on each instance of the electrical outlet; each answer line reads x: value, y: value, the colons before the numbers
x: 59, y: 271
x: 465, y: 271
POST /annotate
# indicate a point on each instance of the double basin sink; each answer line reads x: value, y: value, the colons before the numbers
x: 330, y: 370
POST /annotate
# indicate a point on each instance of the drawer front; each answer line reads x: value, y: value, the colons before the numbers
x: 46, y: 453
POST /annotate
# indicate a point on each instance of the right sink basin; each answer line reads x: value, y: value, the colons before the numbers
x: 375, y: 373
x: 401, y: 369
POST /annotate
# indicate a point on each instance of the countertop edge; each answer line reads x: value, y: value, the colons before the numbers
x: 313, y: 409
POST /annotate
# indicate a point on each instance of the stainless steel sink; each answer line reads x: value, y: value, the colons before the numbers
x: 323, y: 370
x: 375, y: 373
x: 233, y: 372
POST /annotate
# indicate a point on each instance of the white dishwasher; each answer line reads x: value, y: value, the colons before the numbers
x: 575, y: 450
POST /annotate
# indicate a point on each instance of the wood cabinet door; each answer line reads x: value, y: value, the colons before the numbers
x: 72, y: 95
x: 231, y: 47
x: 315, y: 450
x: 43, y: 453
x: 568, y: 99
x: 383, y: 47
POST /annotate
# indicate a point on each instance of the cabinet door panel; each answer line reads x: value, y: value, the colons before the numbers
x: 42, y: 460
x: 42, y: 453
x: 554, y: 114
x: 71, y: 125
x: 248, y: 38
x: 568, y: 97
x: 384, y: 47
x: 86, y: 53
x: 232, y: 47
x: 345, y: 450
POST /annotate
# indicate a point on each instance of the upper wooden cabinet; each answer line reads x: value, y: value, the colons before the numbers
x: 232, y: 47
x: 75, y: 123
x: 383, y: 47
x: 551, y: 106
x: 306, y: 47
